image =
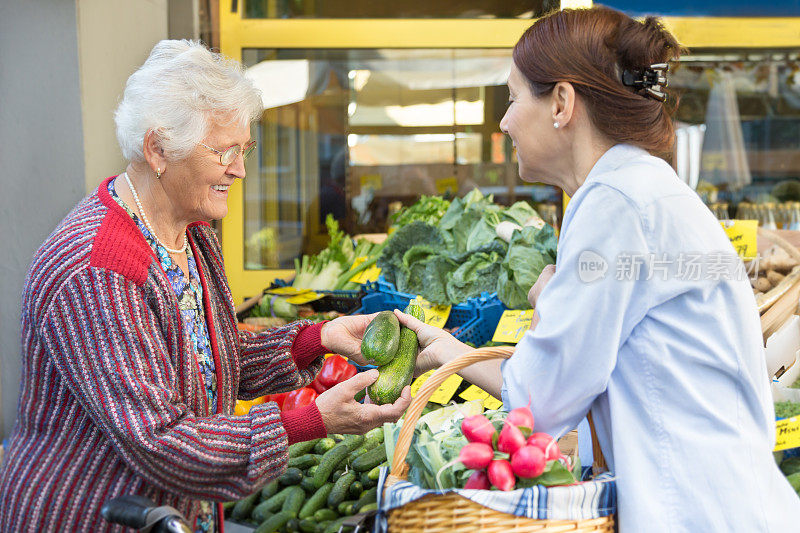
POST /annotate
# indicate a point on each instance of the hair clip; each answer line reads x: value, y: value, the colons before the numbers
x: 652, y: 80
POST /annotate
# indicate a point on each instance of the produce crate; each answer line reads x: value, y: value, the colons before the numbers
x: 344, y: 302
x: 473, y: 321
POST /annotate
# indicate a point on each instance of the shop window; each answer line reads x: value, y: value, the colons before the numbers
x: 355, y: 9
x: 359, y: 133
x: 738, y: 127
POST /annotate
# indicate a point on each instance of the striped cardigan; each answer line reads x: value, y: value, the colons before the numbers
x: 112, y: 400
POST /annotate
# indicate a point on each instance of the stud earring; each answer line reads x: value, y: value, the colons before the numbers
x: 158, y: 173
x: 556, y: 125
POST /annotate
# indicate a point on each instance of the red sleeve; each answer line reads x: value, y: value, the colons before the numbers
x: 308, y: 346
x: 303, y: 424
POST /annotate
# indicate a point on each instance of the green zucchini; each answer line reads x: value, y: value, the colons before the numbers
x: 339, y: 492
x: 294, y: 501
x: 398, y: 373
x: 324, y: 445
x: 270, y: 489
x: 381, y: 340
x: 245, y: 506
x: 292, y: 476
x: 274, y: 522
x: 369, y: 460
x: 303, y: 462
x: 302, y: 448
x: 315, y: 502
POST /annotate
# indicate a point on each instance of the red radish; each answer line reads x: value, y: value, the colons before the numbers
x: 478, y: 480
x: 478, y: 428
x: 511, y: 439
x: 545, y: 442
x: 521, y: 417
x: 501, y: 475
x: 476, y: 455
x: 528, y: 462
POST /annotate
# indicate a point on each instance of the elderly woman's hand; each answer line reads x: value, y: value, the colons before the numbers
x: 341, y: 413
x: 344, y: 334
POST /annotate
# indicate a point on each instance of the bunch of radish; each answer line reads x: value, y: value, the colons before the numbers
x: 516, y: 452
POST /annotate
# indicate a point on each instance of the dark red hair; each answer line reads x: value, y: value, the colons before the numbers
x: 590, y: 48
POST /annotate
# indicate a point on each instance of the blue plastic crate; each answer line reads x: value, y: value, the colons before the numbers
x: 473, y: 321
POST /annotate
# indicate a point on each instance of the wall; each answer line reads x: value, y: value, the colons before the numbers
x: 41, y: 156
x: 115, y: 37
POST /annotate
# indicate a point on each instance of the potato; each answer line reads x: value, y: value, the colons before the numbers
x: 762, y: 284
x: 774, y: 277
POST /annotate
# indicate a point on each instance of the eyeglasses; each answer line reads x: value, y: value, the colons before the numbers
x: 229, y: 154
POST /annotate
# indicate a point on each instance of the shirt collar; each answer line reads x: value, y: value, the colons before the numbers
x: 614, y: 158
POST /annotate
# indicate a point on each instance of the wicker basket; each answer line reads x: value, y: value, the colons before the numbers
x: 451, y: 512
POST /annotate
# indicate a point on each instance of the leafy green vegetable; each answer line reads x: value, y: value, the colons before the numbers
x: 428, y: 209
x: 478, y: 274
x: 417, y: 233
x: 270, y: 306
x: 529, y: 251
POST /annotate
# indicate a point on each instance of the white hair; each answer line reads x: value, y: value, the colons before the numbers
x: 178, y: 93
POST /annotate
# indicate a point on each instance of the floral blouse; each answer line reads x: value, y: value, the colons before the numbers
x: 190, y: 302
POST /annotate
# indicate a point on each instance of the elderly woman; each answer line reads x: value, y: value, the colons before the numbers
x: 669, y: 361
x: 132, y: 361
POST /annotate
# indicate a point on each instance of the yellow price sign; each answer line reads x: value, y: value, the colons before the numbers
x: 787, y: 434
x: 371, y: 181
x: 473, y: 392
x: 445, y: 185
x: 444, y: 393
x: 435, y: 315
x: 304, y: 298
x: 742, y: 234
x: 287, y: 291
x: 370, y: 274
x: 513, y: 325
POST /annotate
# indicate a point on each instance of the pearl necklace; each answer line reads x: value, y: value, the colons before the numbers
x: 147, y: 222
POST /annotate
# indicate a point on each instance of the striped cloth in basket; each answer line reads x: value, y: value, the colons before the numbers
x: 583, y: 501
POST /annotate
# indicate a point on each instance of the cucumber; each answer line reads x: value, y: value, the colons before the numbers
x: 324, y: 445
x: 355, y: 489
x: 292, y: 476
x: 308, y: 485
x: 303, y: 462
x: 398, y: 373
x: 323, y: 515
x: 360, y: 395
x: 315, y: 502
x: 312, y: 470
x: 339, y: 473
x: 340, y: 488
x: 244, y: 507
x: 270, y: 489
x: 369, y: 496
x: 381, y: 340
x: 369, y: 507
x: 308, y: 526
x: 267, y: 507
x: 337, y: 437
x: 227, y: 507
x: 366, y: 482
x: 302, y: 448
x: 274, y: 522
x: 333, y: 457
x: 369, y: 460
x: 333, y: 527
x: 346, y: 507
x: 375, y: 473
x: 294, y: 501
x: 292, y: 526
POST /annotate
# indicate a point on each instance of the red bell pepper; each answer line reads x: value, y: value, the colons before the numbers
x: 317, y: 386
x: 299, y: 398
x: 335, y: 369
x: 279, y: 398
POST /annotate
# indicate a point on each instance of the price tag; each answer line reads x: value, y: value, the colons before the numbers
x: 513, y: 325
x: 742, y: 234
x: 370, y: 274
x: 287, y: 291
x: 371, y: 181
x: 445, y: 185
x: 787, y: 434
x: 474, y: 392
x: 435, y: 315
x: 304, y: 298
x: 444, y: 393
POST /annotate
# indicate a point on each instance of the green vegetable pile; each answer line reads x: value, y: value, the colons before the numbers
x: 333, y: 267
x: 462, y: 256
x: 326, y: 481
x: 428, y: 209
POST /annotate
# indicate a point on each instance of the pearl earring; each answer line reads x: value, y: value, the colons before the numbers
x: 158, y: 173
x: 556, y: 125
